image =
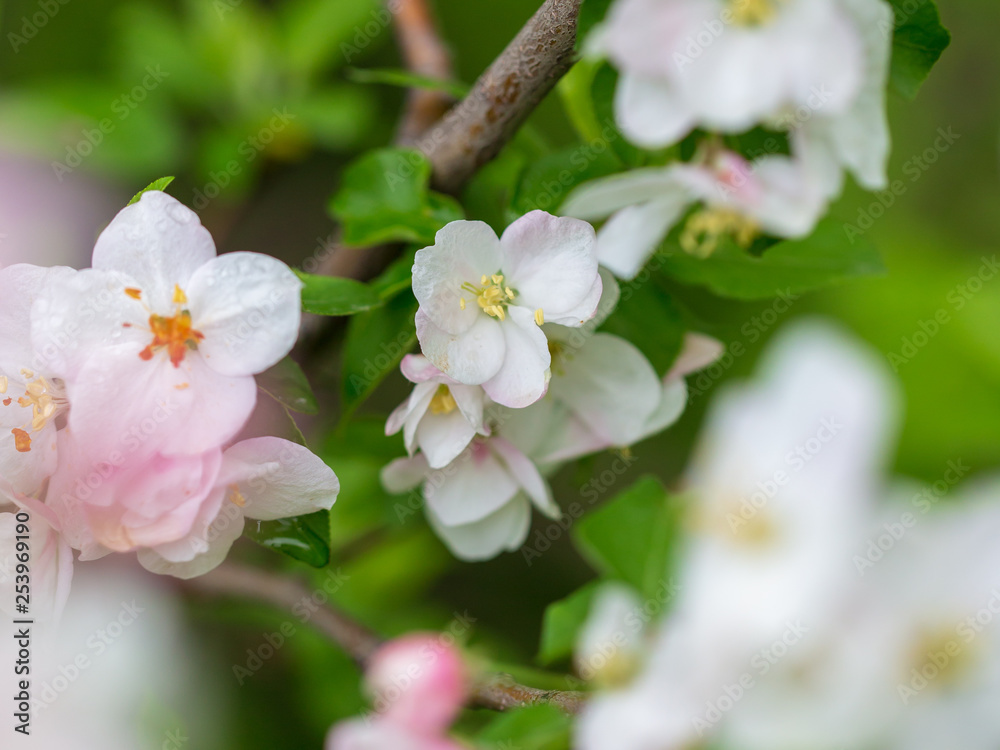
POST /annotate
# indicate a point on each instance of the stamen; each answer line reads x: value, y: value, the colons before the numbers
x: 3, y: 383
x: 539, y: 316
x: 134, y: 293
x: 236, y: 497
x: 443, y: 402
x: 22, y: 441
x: 175, y: 334
x: 752, y: 12
x: 179, y: 297
x: 461, y: 302
x: 705, y: 228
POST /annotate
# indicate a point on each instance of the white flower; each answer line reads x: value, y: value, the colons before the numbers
x: 776, y: 195
x: 480, y: 504
x: 483, y: 300
x: 440, y: 417
x: 727, y: 65
x: 161, y: 331
x: 31, y: 399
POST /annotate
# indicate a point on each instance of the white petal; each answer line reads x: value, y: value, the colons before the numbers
x: 20, y: 286
x: 159, y: 242
x: 630, y: 237
x: 247, y: 306
x: 471, y: 400
x: 600, y: 198
x: 523, y: 377
x: 673, y: 399
x: 223, y: 533
x: 650, y: 112
x: 551, y: 262
x: 278, y: 478
x: 471, y: 488
x: 443, y: 437
x: 527, y: 475
x: 697, y: 352
x: 404, y: 474
x: 418, y: 369
x: 471, y: 357
x: 610, y: 385
x: 503, y: 530
x: 463, y: 251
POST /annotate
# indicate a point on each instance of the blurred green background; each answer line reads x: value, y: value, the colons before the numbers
x: 187, y: 88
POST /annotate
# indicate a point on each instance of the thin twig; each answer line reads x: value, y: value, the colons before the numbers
x: 495, y: 691
x: 426, y: 55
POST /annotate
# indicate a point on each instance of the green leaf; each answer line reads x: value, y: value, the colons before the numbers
x: 787, y: 268
x: 546, y: 183
x: 407, y: 79
x: 160, y: 184
x: 295, y: 537
x: 332, y: 295
x: 917, y: 43
x: 385, y: 197
x: 532, y: 728
x: 288, y: 385
x: 632, y: 538
x: 562, y: 621
x: 592, y: 12
x: 642, y: 302
x: 396, y: 278
x: 376, y: 341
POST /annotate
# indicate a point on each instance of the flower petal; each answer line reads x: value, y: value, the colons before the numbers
x: 222, y: 533
x: 527, y: 475
x: 443, y: 437
x: 602, y: 197
x: 628, y: 238
x: 551, y: 262
x: 247, y: 306
x: 471, y: 357
x: 504, y: 529
x: 278, y: 478
x: 524, y: 374
x: 463, y: 251
x: 471, y: 488
x: 159, y: 242
x: 404, y: 474
x: 650, y: 111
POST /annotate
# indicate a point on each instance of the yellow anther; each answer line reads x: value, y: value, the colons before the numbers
x: 539, y: 316
x: 753, y: 12
x: 491, y: 296
x: 461, y: 302
x: 443, y: 402
x: 705, y: 228
x: 179, y: 297
x: 3, y: 383
x: 497, y: 279
x: 28, y: 374
x: 236, y: 497
x: 484, y: 280
x: 508, y: 292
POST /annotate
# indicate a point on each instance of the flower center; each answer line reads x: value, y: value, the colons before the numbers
x: 491, y: 294
x: 942, y: 656
x: 705, y: 228
x: 752, y: 12
x: 175, y: 333
x: 45, y: 400
x: 443, y: 402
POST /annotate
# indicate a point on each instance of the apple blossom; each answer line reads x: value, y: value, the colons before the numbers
x: 483, y: 300
x: 729, y: 65
x: 480, y: 503
x: 775, y: 195
x: 32, y: 400
x: 419, y: 687
x: 160, y: 328
x: 441, y: 416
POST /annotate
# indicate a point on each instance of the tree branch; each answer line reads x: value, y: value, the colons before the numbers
x: 426, y: 55
x: 495, y: 691
x: 475, y: 130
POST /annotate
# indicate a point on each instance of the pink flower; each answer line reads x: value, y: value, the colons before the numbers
x: 183, y: 513
x: 162, y: 331
x: 419, y: 686
x: 441, y: 416
x: 483, y: 300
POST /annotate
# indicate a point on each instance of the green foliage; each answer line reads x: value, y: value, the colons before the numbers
x: 648, y: 317
x: 632, y: 538
x: 563, y: 620
x: 332, y: 295
x: 592, y: 12
x: 160, y: 184
x: 533, y: 728
x: 407, y: 80
x: 302, y: 538
x: 384, y: 197
x: 791, y: 267
x: 376, y: 341
x: 917, y: 43
x: 288, y: 385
